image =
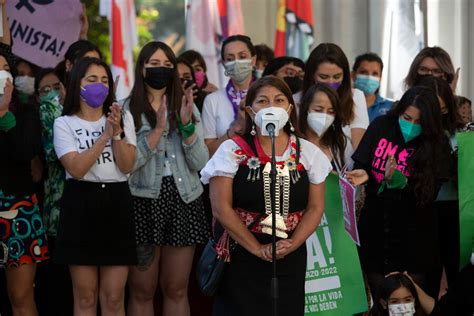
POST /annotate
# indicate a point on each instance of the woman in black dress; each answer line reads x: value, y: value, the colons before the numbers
x: 400, y: 157
x: 239, y: 190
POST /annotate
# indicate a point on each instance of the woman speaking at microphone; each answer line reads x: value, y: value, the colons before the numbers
x: 240, y: 194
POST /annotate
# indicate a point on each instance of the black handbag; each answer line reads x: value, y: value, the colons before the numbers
x: 210, y: 268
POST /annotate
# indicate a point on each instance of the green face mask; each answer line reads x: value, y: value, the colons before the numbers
x: 52, y: 97
x: 409, y: 130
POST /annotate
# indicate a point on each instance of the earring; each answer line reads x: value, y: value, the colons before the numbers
x: 292, y: 129
x: 253, y: 132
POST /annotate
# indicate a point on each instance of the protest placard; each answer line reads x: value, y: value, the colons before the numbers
x: 42, y: 30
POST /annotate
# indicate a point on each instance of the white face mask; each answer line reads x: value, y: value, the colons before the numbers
x: 239, y: 70
x: 276, y: 115
x: 4, y: 75
x: 25, y: 84
x: 320, y: 122
x: 407, y: 309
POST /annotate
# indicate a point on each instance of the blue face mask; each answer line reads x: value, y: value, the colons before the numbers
x: 409, y: 130
x: 367, y: 84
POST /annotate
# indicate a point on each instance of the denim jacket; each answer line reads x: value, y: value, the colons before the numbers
x: 185, y: 161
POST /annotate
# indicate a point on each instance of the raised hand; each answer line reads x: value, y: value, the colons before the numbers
x: 7, y: 96
x: 186, y: 111
x: 454, y: 83
x: 390, y: 167
x: 161, y: 115
x: 115, y: 117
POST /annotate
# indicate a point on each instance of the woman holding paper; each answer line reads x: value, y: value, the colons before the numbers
x: 399, y: 158
x: 238, y: 174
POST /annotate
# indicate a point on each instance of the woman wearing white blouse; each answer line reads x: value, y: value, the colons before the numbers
x: 221, y: 116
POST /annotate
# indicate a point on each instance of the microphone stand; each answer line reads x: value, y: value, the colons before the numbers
x: 273, y: 179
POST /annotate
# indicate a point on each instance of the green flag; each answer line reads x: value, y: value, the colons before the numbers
x: 334, y: 283
x: 466, y: 195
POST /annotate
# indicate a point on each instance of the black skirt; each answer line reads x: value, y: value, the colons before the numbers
x: 96, y: 225
x: 245, y: 287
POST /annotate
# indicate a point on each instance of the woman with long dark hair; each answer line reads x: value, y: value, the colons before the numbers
x: 401, y: 156
x: 320, y: 120
x: 327, y: 64
x: 168, y: 209
x: 447, y: 203
x: 95, y: 142
x: 238, y: 174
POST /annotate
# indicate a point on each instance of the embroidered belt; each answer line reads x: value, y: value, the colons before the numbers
x: 252, y: 220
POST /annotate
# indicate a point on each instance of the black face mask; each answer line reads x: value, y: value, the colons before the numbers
x: 186, y: 83
x: 159, y: 77
x: 419, y: 78
x: 295, y: 83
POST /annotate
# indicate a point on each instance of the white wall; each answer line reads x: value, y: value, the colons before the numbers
x: 451, y: 26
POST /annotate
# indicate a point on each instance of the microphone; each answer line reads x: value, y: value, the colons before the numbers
x: 270, y: 125
x: 270, y: 128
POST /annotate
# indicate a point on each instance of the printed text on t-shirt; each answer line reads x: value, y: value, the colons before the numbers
x: 385, y: 149
x: 86, y: 139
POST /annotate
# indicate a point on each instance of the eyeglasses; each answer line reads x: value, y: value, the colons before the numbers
x: 428, y: 71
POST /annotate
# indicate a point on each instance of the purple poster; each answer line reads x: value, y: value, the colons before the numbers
x: 348, y: 196
x: 42, y: 30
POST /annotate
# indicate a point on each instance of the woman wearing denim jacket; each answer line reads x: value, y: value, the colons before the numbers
x: 169, y: 214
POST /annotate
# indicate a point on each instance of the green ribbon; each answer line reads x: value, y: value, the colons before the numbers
x: 186, y: 130
x: 398, y: 181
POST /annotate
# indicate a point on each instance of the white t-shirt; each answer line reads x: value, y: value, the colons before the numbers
x: 73, y: 134
x: 361, y: 115
x: 224, y: 162
x: 217, y: 114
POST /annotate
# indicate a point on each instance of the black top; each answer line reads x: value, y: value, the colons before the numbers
x: 18, y: 147
x: 249, y: 196
x: 383, y: 138
x: 396, y: 234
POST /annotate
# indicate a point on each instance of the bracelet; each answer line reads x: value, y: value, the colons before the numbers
x: 117, y: 137
x: 186, y: 130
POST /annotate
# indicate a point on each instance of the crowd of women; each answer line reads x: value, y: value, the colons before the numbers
x: 111, y: 191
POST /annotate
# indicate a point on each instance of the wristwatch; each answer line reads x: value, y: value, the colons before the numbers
x: 117, y: 137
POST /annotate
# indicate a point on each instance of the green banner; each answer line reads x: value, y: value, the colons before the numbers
x: 466, y: 195
x: 334, y: 283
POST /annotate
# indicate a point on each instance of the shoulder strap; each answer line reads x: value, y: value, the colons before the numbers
x: 239, y: 140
